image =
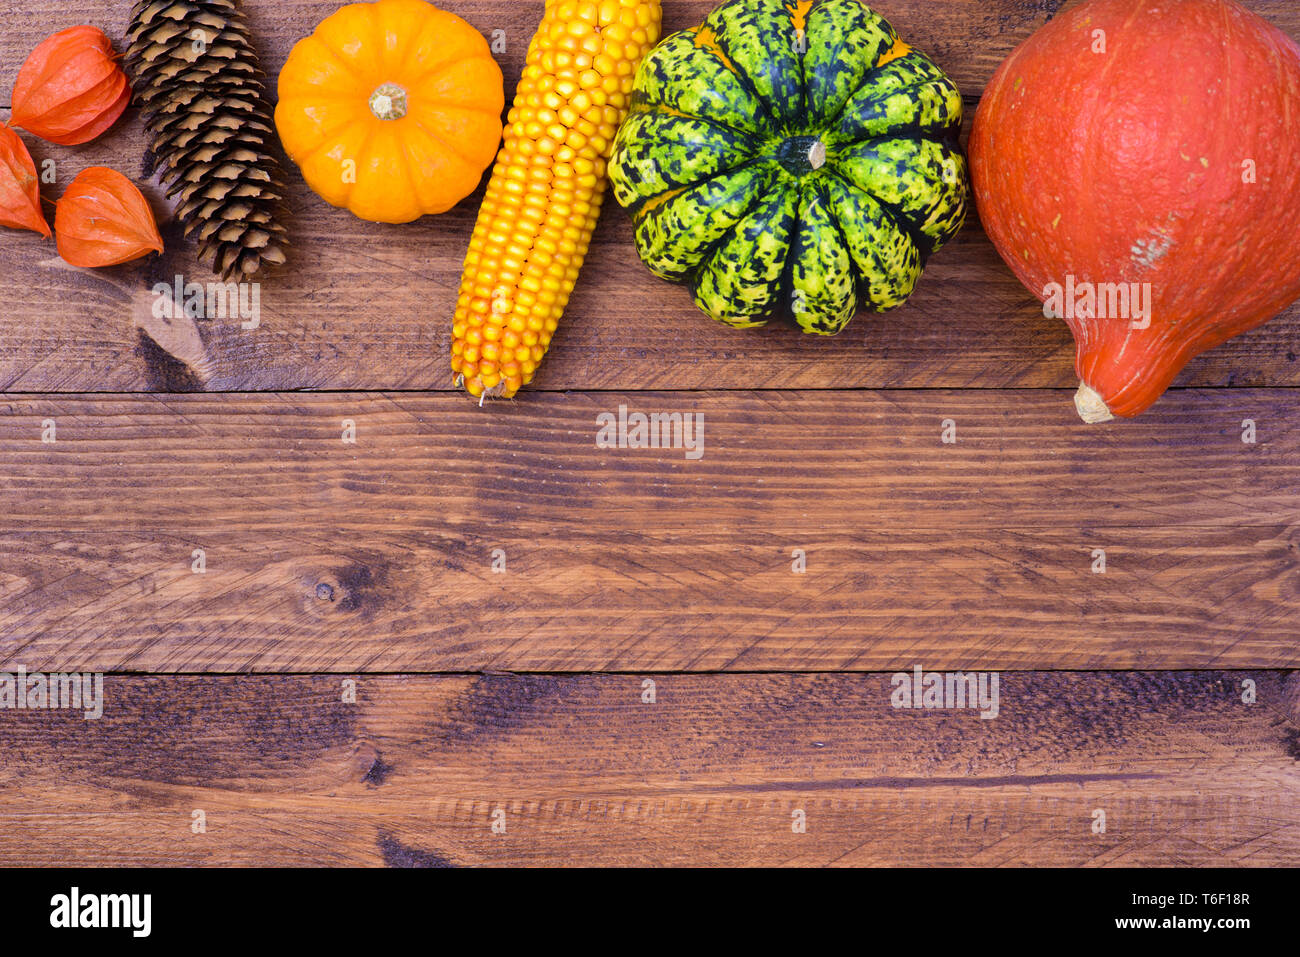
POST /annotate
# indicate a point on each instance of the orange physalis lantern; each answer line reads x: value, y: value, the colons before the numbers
x: 71, y: 89
x: 20, y: 196
x: 103, y: 220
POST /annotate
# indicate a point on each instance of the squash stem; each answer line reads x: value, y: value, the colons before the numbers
x: 388, y: 102
x: 1091, y: 406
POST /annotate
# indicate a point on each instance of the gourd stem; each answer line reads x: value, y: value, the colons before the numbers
x: 1091, y: 406
x: 388, y: 102
x: 817, y: 155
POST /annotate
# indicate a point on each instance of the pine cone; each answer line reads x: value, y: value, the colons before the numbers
x: 204, y: 101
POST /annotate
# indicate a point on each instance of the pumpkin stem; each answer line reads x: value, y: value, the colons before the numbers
x: 388, y: 102
x: 1091, y: 406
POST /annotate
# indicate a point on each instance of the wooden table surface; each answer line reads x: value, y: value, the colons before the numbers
x: 648, y: 681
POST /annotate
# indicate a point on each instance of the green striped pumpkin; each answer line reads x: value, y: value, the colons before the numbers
x: 793, y: 159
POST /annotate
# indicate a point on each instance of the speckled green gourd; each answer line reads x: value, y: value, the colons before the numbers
x: 791, y: 158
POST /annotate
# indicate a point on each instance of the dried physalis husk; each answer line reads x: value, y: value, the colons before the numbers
x: 103, y: 219
x: 20, y: 191
x: 71, y: 89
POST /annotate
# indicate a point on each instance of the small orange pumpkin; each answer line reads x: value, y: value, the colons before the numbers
x: 391, y: 109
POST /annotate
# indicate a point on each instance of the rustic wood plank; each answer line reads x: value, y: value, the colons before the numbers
x: 325, y: 556
x: 355, y: 598
x: 365, y: 306
x: 588, y: 773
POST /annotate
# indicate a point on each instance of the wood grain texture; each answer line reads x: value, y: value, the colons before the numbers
x: 373, y: 561
x: 587, y: 773
x: 367, y: 306
x: 324, y: 556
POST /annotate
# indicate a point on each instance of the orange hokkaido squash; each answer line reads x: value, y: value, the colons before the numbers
x: 391, y: 109
x: 1137, y: 164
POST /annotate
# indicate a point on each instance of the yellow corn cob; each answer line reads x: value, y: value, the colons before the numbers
x: 547, y: 186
